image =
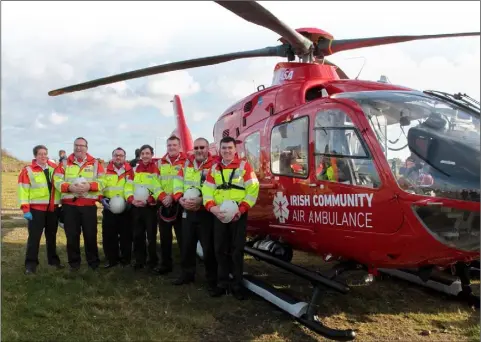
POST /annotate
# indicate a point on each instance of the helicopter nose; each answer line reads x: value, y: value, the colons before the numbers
x: 456, y: 228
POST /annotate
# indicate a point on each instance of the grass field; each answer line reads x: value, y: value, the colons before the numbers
x: 121, y: 305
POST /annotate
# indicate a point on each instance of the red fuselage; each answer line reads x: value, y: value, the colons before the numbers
x: 374, y: 226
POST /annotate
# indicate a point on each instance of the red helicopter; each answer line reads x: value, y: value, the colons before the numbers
x: 369, y: 174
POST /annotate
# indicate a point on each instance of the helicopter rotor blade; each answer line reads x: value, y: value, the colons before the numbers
x: 327, y: 47
x: 272, y: 51
x: 253, y: 12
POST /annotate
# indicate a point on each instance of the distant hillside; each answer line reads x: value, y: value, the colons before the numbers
x: 10, y: 163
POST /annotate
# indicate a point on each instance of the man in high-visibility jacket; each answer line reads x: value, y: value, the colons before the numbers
x: 39, y: 200
x: 144, y: 213
x: 197, y: 223
x: 79, y: 202
x: 116, y: 228
x: 242, y: 187
x: 170, y: 214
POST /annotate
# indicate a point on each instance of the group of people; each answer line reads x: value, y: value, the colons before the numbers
x: 48, y: 191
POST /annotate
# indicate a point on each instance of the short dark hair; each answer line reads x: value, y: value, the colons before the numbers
x: 226, y: 140
x: 173, y: 137
x: 204, y: 139
x: 119, y: 148
x: 137, y: 152
x: 82, y: 138
x: 38, y: 148
x: 61, y: 151
x: 143, y: 147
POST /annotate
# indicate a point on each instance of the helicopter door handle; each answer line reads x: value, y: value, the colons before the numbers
x: 268, y: 186
x: 313, y: 185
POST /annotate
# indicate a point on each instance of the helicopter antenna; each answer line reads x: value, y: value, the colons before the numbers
x: 363, y: 64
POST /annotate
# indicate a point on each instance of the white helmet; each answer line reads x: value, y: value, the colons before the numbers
x: 231, y: 208
x: 117, y: 204
x: 79, y: 180
x: 141, y: 193
x: 192, y: 193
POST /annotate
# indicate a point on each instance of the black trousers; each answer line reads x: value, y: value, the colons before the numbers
x: 41, y: 220
x: 165, y: 229
x: 229, y: 241
x: 198, y: 226
x: 144, y: 221
x: 83, y: 220
x: 117, y: 236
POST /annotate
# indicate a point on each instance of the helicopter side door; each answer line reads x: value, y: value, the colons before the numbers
x: 349, y: 194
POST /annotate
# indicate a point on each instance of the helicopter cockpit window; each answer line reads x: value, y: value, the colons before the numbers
x: 432, y: 145
x: 252, y: 147
x: 340, y: 154
x: 289, y: 148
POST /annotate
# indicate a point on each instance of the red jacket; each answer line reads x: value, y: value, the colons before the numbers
x: 128, y: 173
x: 94, y: 186
x: 23, y: 178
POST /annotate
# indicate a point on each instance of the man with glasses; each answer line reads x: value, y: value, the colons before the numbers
x: 78, y: 180
x: 197, y: 223
x: 116, y: 228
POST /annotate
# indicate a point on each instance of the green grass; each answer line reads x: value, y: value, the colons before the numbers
x: 9, y: 190
x: 123, y: 305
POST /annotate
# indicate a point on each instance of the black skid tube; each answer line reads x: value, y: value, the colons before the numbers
x: 297, y: 270
x: 321, y: 329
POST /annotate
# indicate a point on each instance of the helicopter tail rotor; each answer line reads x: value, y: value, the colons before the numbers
x: 329, y: 47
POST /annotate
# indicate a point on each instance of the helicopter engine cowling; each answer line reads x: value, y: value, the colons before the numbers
x: 276, y: 249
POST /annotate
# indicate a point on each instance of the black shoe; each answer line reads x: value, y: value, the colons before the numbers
x: 183, y: 280
x: 30, y: 270
x: 163, y: 270
x: 110, y: 264
x: 238, y: 294
x: 58, y: 266
x: 137, y: 266
x: 217, y: 291
x: 74, y: 268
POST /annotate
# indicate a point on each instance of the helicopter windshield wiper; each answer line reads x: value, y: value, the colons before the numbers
x: 457, y: 99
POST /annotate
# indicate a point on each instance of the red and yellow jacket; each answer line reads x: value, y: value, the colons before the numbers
x: 33, y: 191
x: 70, y: 169
x: 113, y: 184
x: 169, y: 170
x: 147, y: 176
x: 236, y: 181
x: 190, y: 176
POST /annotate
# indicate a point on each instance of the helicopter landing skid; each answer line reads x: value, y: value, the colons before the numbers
x: 448, y: 284
x: 303, y: 312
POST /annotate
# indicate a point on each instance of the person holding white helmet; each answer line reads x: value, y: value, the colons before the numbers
x: 169, y: 211
x: 116, y: 218
x: 142, y: 192
x: 197, y: 223
x: 231, y: 188
x: 79, y: 202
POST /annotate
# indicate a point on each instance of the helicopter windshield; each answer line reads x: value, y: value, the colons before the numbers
x: 432, y: 145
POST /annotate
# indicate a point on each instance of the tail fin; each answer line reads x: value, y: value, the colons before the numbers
x: 182, y: 131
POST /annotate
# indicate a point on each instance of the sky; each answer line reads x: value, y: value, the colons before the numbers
x: 48, y: 45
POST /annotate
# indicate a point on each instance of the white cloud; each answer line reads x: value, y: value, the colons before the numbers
x: 58, y: 119
x: 47, y: 46
x: 198, y: 116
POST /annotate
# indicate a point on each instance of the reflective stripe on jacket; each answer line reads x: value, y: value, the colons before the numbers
x: 33, y: 191
x: 169, y: 170
x: 69, y: 170
x: 113, y: 184
x: 192, y: 175
x: 143, y: 175
x: 236, y: 181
